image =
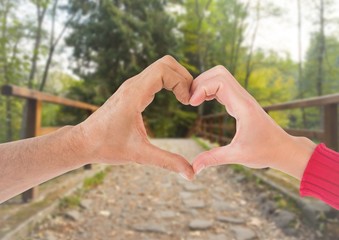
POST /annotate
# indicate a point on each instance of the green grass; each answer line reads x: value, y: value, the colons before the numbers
x: 201, y: 143
x: 94, y: 181
x: 71, y: 201
x: 88, y: 184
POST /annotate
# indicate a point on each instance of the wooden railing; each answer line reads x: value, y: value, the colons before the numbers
x: 35, y: 102
x: 220, y: 128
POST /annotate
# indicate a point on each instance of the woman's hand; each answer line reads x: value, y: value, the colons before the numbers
x: 259, y: 142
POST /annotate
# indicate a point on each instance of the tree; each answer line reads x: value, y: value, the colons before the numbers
x: 54, y: 40
x: 321, y: 49
x: 114, y: 40
x: 41, y: 8
x: 12, y: 60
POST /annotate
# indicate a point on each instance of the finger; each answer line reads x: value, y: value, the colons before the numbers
x: 158, y: 77
x: 177, y: 67
x: 151, y: 155
x: 213, y: 72
x: 218, y: 87
x: 214, y: 157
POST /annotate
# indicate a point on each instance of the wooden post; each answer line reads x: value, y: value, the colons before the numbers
x: 203, y: 128
x: 331, y: 126
x: 34, y: 108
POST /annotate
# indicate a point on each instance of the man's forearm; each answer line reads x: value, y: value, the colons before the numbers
x: 27, y: 163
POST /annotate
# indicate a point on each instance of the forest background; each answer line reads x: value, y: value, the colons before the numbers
x: 85, y: 49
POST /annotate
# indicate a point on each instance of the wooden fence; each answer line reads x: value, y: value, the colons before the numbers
x: 35, y: 100
x: 219, y: 128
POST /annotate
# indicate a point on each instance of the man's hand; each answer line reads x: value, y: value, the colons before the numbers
x: 259, y: 142
x: 115, y: 133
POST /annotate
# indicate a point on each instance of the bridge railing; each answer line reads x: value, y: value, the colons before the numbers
x: 218, y: 128
x: 35, y: 100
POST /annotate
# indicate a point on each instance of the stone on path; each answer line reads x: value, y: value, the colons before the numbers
x: 218, y: 237
x: 73, y: 215
x: 283, y: 218
x: 194, y: 203
x: 105, y: 213
x: 230, y: 220
x: 193, y: 187
x: 150, y: 227
x: 223, y: 206
x: 200, y: 224
x: 165, y: 214
x: 185, y: 194
x: 243, y: 233
x: 86, y: 203
x: 50, y: 236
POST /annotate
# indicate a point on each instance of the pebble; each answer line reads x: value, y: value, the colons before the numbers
x: 283, y: 218
x: 194, y: 203
x: 200, y: 224
x: 193, y: 187
x: 105, y: 213
x: 150, y: 227
x: 86, y: 203
x: 230, y: 220
x: 223, y: 206
x: 218, y: 237
x: 243, y: 233
x: 165, y: 214
x: 185, y: 194
x: 73, y: 215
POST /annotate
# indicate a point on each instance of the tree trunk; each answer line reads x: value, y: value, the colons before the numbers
x: 35, y: 55
x: 300, y: 68
x: 249, y: 66
x: 46, y: 69
x: 321, y: 52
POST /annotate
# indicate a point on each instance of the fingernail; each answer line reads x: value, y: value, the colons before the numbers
x: 184, y: 176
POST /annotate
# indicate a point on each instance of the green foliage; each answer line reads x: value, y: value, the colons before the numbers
x: 115, y: 40
x: 94, y: 181
x: 70, y: 201
x: 331, y: 67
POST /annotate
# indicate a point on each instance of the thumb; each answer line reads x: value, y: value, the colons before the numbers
x: 154, y: 156
x: 216, y: 156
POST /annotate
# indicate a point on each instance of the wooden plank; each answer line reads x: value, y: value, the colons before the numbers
x: 11, y: 90
x: 331, y: 126
x: 306, y: 133
x: 309, y: 102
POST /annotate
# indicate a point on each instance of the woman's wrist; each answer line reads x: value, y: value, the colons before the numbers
x: 295, y: 156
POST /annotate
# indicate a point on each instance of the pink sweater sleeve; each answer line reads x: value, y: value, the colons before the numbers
x: 321, y: 176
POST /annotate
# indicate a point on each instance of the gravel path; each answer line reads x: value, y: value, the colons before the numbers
x: 145, y: 203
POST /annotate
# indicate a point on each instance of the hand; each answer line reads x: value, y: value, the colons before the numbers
x: 259, y: 142
x: 115, y: 133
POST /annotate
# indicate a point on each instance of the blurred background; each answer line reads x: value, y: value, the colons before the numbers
x: 85, y: 49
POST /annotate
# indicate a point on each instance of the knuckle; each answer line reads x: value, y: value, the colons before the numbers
x: 221, y: 69
x: 168, y: 59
